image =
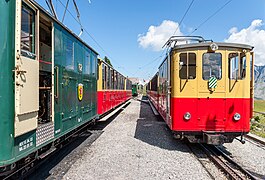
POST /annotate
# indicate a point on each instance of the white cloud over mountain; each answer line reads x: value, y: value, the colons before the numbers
x: 253, y: 35
x: 157, y: 36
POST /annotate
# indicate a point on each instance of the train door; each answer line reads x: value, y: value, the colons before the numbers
x: 26, y: 72
x: 45, y: 56
x: 212, y: 86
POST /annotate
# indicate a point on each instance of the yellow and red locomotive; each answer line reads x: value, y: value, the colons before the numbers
x: 204, y: 90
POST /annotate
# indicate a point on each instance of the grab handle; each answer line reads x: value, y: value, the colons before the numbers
x: 57, y: 82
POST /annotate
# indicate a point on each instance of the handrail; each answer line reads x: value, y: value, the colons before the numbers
x: 184, y: 38
x: 57, y: 82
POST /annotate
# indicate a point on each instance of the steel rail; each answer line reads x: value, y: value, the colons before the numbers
x: 259, y: 141
x: 213, y: 151
x: 259, y: 112
x: 220, y: 163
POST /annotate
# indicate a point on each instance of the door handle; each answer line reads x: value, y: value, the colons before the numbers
x: 19, y: 71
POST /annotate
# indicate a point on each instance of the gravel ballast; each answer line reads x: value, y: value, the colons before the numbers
x: 137, y: 145
x: 250, y: 155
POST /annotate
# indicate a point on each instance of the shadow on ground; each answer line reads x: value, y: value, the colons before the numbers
x: 153, y: 130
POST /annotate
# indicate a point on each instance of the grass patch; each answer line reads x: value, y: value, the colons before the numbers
x: 259, y: 105
x: 258, y: 127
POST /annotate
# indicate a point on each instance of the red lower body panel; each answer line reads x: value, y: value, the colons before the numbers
x: 214, y: 114
x: 212, y: 119
x: 108, y: 100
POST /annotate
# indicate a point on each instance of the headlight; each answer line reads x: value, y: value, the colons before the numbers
x: 187, y: 116
x: 237, y: 117
x: 213, y: 47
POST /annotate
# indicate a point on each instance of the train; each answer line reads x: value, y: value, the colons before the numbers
x: 204, y: 90
x: 52, y: 83
x: 134, y: 89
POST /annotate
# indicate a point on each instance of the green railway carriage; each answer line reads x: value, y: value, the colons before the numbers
x: 134, y: 90
x: 48, y: 81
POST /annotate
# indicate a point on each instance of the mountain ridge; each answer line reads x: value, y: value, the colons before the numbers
x: 259, y: 82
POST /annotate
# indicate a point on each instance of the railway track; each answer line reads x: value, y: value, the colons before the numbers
x: 259, y: 112
x: 229, y: 168
x: 255, y: 140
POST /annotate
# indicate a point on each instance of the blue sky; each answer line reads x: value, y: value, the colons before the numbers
x: 130, y: 33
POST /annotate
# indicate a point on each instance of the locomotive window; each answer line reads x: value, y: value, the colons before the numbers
x: 237, y: 66
x: 27, y: 32
x: 187, y: 66
x: 212, y: 65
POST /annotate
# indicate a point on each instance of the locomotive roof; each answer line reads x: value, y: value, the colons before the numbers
x: 61, y: 24
x: 207, y: 44
x: 220, y: 44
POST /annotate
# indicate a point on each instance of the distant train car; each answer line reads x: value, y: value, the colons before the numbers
x: 204, y: 90
x: 113, y: 88
x: 48, y: 83
x: 134, y: 90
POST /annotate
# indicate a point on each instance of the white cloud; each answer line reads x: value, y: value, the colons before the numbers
x: 252, y: 35
x: 157, y: 36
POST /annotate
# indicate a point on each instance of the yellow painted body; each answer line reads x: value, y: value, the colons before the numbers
x: 100, y: 61
x: 226, y: 88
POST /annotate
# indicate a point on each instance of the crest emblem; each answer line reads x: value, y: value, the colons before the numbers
x: 80, y: 91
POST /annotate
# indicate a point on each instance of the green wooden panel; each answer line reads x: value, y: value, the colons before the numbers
x: 7, y: 58
x: 75, y: 62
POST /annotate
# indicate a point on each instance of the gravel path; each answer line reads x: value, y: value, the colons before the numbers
x: 137, y: 145
x: 251, y: 156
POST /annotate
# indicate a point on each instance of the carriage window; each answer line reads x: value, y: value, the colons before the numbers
x: 94, y: 64
x: 187, y: 66
x: 212, y: 65
x: 237, y: 66
x: 27, y: 32
x: 69, y: 58
x: 87, y: 63
x: 110, y: 79
x: 103, y: 76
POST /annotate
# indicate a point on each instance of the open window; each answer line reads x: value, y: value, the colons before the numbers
x: 237, y: 66
x: 45, y: 70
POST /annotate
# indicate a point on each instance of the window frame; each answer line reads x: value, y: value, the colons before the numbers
x: 27, y: 53
x: 241, y: 65
x: 221, y: 65
x: 188, y: 75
